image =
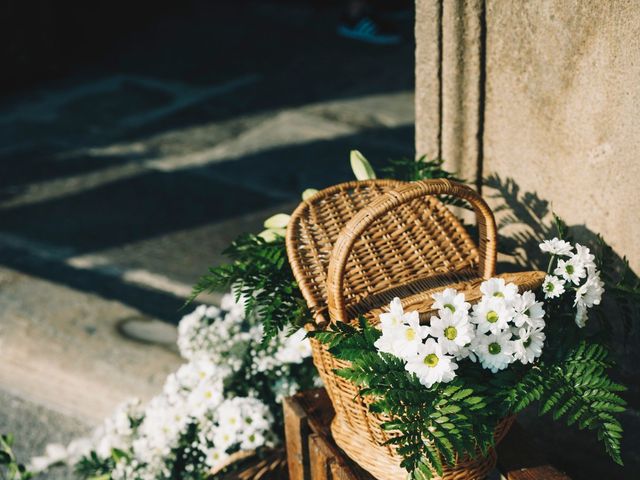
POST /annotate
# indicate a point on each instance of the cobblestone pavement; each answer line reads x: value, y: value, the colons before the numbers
x: 121, y: 182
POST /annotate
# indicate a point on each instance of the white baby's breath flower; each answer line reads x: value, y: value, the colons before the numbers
x: 571, y: 270
x: 431, y: 365
x: 453, y: 331
x: 528, y: 311
x: 555, y: 246
x: 250, y: 440
x: 223, y: 438
x: 492, y: 314
x: 529, y: 346
x: 234, y: 308
x: 495, y: 352
x: 213, y: 457
x: 295, y: 348
x: 205, y: 398
x: 552, y: 286
x: 451, y: 300
x: 496, y: 287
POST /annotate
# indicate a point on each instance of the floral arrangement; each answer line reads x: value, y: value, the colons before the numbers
x: 446, y: 385
x: 225, y: 399
x: 502, y: 328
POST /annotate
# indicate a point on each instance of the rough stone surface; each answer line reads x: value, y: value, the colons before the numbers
x: 34, y: 427
x: 560, y: 124
x: 561, y: 112
x: 61, y: 348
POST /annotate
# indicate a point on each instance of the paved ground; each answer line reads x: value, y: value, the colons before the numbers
x: 122, y: 181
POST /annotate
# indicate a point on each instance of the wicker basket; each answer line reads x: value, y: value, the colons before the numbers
x: 353, y: 248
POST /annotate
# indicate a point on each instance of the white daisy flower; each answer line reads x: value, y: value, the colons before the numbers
x: 451, y: 300
x: 431, y: 365
x: 496, y: 287
x: 571, y: 270
x: 528, y: 311
x: 555, y: 246
x: 408, y: 337
x: 529, y: 346
x: 453, y: 331
x: 492, y: 314
x: 495, y: 352
x: 552, y: 286
x: 590, y: 293
x: 584, y: 256
x: 466, y: 352
x: 581, y: 315
x: 394, y: 317
x: 384, y: 344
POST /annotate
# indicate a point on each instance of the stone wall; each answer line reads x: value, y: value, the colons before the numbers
x: 545, y: 92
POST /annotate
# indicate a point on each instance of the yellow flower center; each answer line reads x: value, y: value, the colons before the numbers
x: 431, y: 360
x: 492, y: 317
x: 410, y: 334
x: 451, y: 333
x: 498, y: 294
x: 450, y: 307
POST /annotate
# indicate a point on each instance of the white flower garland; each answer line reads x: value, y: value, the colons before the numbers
x: 142, y: 441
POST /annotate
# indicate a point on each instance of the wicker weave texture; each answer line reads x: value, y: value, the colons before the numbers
x: 353, y: 248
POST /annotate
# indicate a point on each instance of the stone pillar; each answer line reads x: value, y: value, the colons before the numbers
x: 546, y: 93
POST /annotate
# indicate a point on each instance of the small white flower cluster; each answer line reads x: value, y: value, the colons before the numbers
x: 208, y: 330
x: 194, y: 412
x: 279, y: 358
x: 576, y: 271
x: 240, y: 423
x: 503, y: 327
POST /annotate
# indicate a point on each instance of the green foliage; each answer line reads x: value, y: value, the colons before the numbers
x: 93, y: 467
x: 10, y: 468
x: 259, y: 272
x: 430, y: 426
x: 409, y: 169
x: 579, y: 390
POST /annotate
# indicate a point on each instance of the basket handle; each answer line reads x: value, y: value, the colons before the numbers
x: 388, y: 202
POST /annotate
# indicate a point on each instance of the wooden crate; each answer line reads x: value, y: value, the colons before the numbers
x: 312, y: 454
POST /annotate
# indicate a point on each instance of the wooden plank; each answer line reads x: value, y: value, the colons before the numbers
x: 518, y: 459
x: 296, y: 429
x: 320, y: 458
x: 320, y: 413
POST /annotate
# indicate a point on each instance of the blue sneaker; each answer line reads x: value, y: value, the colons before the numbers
x: 370, y: 30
